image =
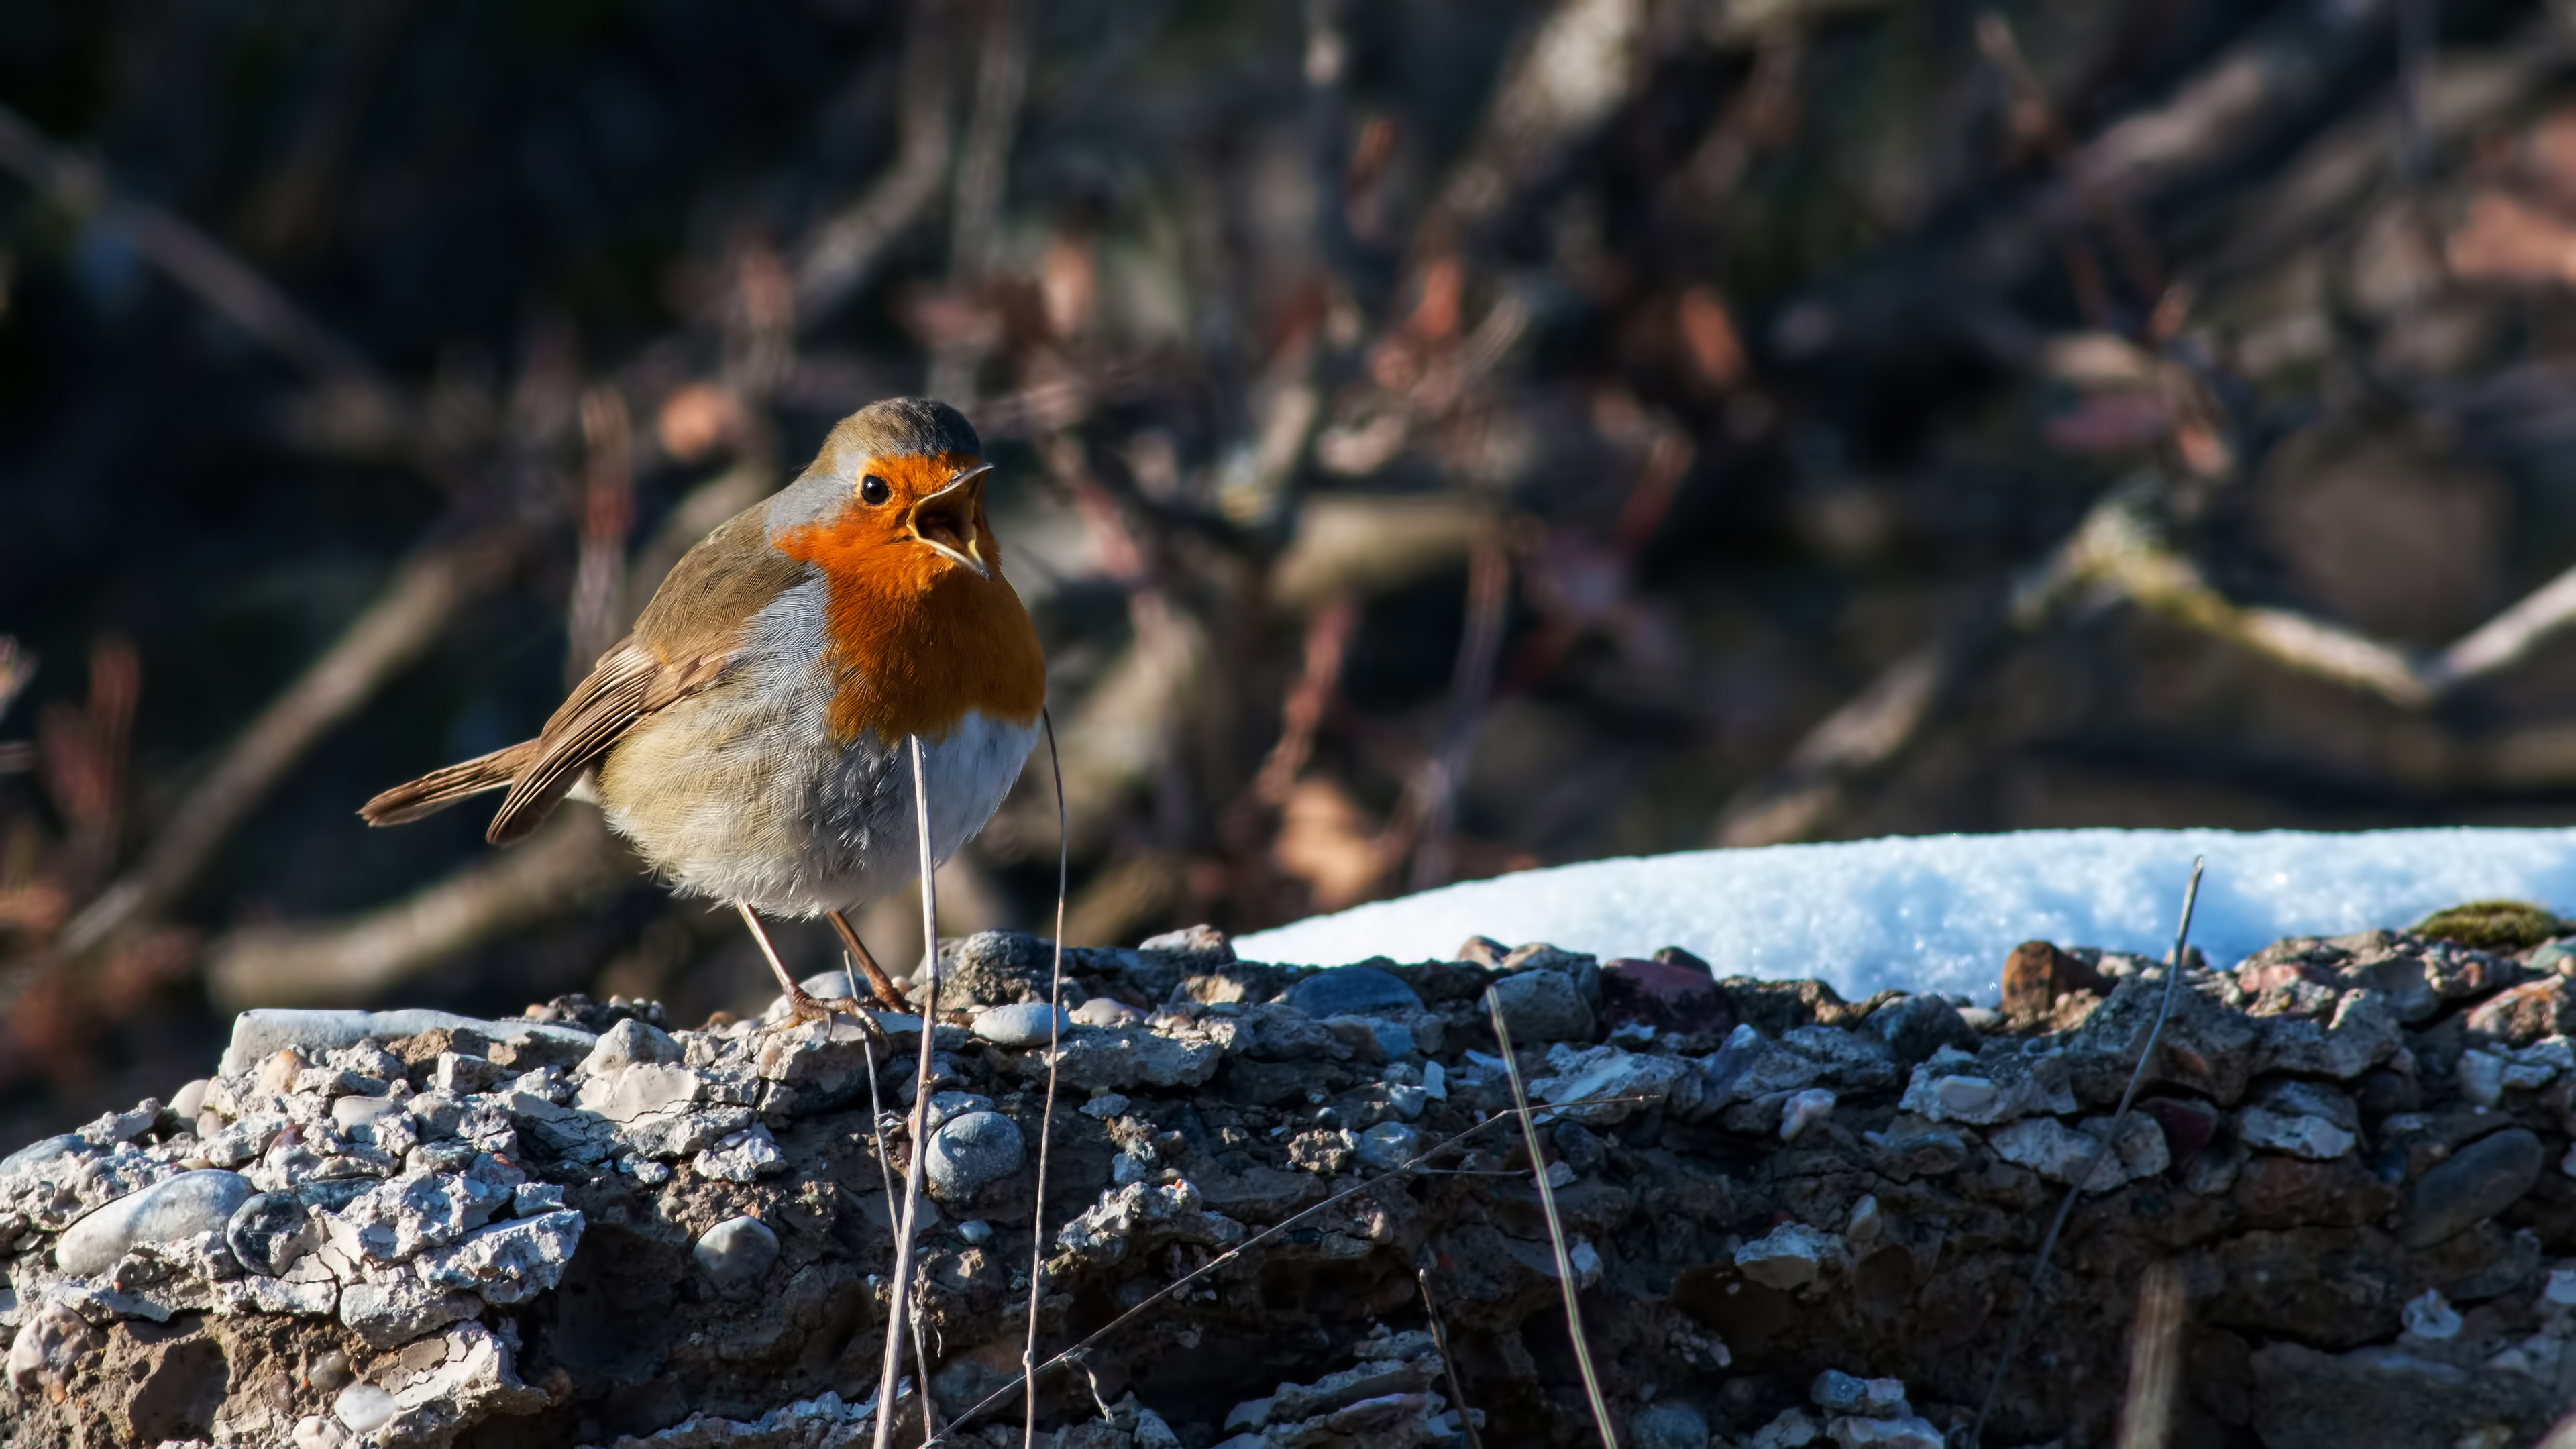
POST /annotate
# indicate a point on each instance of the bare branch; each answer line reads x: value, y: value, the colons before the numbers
x: 836, y: 259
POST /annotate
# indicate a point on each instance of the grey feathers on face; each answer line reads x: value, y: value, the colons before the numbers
x: 898, y: 425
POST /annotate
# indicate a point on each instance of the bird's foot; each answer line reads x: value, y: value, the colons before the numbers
x: 803, y: 1006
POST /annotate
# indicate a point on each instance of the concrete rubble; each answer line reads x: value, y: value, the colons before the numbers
x: 1792, y: 1219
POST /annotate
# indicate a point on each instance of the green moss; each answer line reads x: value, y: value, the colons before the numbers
x: 2492, y: 925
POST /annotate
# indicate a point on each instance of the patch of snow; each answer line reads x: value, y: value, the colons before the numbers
x: 1939, y: 913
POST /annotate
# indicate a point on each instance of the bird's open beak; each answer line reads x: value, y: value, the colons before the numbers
x: 946, y: 519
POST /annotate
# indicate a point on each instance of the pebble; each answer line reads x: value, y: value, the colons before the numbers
x: 1837, y: 1392
x: 348, y: 1112
x: 178, y: 1207
x: 190, y: 1099
x: 45, y: 1150
x: 629, y: 1042
x: 975, y: 1230
x: 1789, y: 1256
x: 364, y: 1408
x: 970, y: 1152
x: 2561, y: 1289
x: 1667, y: 1424
x: 946, y: 1107
x: 1804, y: 1110
x: 1352, y: 991
x: 269, y: 1232
x: 2430, y: 1315
x: 1543, y: 1006
x: 1658, y: 995
x: 1105, y: 1011
x: 1388, y: 1146
x: 1914, y: 1027
x: 2479, y: 1181
x: 1105, y: 1106
x: 1907, y: 1432
x: 461, y: 1074
x: 2313, y: 1138
x: 1028, y: 1024
x: 736, y: 1252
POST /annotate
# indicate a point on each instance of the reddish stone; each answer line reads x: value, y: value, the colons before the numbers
x: 2288, y: 1192
x: 2188, y: 1126
x: 2521, y: 1015
x: 2036, y: 974
x: 1663, y: 996
x: 2256, y: 978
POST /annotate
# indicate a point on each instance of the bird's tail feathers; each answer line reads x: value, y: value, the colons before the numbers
x: 439, y: 789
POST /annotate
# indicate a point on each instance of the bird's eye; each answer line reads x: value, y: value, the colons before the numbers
x: 873, y: 490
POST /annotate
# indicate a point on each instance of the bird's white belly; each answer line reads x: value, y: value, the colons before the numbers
x: 738, y: 793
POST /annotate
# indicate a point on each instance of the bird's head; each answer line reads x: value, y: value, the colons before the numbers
x: 921, y: 620
x: 898, y: 491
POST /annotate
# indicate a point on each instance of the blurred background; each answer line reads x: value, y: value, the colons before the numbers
x: 1436, y: 437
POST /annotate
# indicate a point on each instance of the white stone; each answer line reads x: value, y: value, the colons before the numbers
x: 1791, y: 1255
x: 2297, y: 1134
x: 1027, y: 1024
x: 175, y: 1208
x: 736, y: 1252
x: 509, y: 1262
x: 1804, y: 1110
x: 2430, y: 1315
x: 364, y: 1408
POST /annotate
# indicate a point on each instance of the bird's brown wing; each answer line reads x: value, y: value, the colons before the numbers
x: 681, y: 644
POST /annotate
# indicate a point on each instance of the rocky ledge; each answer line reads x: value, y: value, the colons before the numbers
x: 1796, y: 1219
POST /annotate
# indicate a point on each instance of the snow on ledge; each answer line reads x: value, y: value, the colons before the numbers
x: 1938, y: 913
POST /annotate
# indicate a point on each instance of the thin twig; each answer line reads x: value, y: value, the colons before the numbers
x: 898, y: 1313
x: 1448, y: 1361
x: 1555, y: 1224
x: 1046, y: 1115
x: 1489, y: 576
x: 2110, y: 1145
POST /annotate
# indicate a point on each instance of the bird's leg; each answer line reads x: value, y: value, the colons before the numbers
x: 882, y: 986
x: 801, y: 1005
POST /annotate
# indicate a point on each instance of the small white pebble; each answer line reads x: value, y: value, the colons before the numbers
x: 975, y: 1230
x: 2562, y: 1286
x: 364, y: 1407
x: 1804, y: 1110
x: 2430, y: 1315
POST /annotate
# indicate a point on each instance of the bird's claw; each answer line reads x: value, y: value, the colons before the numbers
x: 804, y: 1006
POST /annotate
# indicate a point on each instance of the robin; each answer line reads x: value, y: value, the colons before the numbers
x: 748, y: 738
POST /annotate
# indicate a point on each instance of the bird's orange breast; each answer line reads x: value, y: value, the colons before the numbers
x: 917, y: 641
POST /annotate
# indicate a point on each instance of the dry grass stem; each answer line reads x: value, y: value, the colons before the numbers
x: 1448, y: 1364
x: 1046, y: 1114
x: 1555, y: 1225
x: 2084, y: 1177
x: 898, y: 1311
